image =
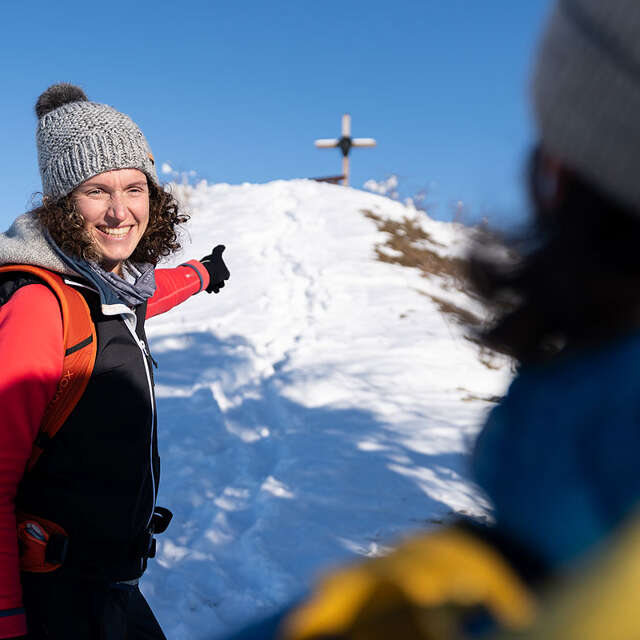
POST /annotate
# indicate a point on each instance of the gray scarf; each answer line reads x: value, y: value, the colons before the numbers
x: 137, y: 285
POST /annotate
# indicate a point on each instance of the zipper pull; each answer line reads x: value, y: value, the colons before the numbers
x: 148, y: 353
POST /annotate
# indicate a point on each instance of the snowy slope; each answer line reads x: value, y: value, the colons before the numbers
x: 318, y: 407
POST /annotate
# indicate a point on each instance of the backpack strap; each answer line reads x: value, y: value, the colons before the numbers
x: 80, y: 347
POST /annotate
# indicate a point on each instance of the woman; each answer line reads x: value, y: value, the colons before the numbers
x: 104, y: 224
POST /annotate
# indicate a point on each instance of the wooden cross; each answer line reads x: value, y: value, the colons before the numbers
x: 345, y: 143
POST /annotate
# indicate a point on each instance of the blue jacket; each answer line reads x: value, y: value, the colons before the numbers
x: 560, y: 456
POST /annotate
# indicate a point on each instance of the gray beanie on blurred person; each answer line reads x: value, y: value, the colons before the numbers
x: 586, y: 91
x: 78, y: 139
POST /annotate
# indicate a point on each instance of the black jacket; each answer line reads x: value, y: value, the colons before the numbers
x: 98, y: 477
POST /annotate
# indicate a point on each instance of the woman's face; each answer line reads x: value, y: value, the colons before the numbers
x: 115, y: 208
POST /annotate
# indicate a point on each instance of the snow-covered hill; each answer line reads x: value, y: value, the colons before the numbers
x: 320, y: 406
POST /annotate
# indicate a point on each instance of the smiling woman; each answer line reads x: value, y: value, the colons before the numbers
x: 75, y: 532
x: 115, y: 208
x: 112, y: 210
x: 68, y: 227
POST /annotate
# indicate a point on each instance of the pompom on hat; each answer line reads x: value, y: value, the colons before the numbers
x: 586, y: 93
x: 78, y: 139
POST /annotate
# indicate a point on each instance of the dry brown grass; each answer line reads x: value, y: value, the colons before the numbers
x: 471, y: 397
x: 469, y: 320
x: 409, y: 245
x: 460, y: 315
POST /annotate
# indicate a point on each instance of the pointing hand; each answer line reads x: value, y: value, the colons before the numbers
x: 217, y: 269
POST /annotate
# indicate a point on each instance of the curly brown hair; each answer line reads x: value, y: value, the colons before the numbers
x: 160, y: 239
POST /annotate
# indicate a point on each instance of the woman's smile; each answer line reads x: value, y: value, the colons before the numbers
x: 115, y: 232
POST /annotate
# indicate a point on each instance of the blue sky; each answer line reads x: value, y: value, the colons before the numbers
x: 238, y: 91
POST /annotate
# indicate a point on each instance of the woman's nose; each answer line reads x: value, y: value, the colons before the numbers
x: 118, y: 208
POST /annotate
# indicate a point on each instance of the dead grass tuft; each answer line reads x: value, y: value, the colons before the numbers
x: 471, y: 397
x: 460, y: 315
x: 410, y: 246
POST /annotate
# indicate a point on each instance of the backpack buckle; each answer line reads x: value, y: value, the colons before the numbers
x: 43, y: 544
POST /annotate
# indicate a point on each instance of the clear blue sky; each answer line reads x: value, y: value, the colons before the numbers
x: 238, y: 90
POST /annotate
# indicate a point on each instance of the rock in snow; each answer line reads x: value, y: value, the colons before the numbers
x: 319, y: 407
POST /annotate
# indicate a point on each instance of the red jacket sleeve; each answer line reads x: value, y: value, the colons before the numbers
x: 174, y: 286
x: 31, y: 353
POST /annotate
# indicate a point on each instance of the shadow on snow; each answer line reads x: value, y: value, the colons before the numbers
x: 267, y: 491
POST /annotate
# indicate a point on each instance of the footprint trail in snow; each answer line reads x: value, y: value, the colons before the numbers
x: 319, y: 407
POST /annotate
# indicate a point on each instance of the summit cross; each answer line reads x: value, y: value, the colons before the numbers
x: 345, y: 144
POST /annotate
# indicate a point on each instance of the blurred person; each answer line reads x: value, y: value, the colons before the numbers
x: 558, y: 456
x: 78, y: 508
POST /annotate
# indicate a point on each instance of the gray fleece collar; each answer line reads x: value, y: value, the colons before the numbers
x: 25, y: 243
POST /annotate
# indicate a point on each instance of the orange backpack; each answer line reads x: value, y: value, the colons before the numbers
x: 42, y: 542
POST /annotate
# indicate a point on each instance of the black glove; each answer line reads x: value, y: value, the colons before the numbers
x: 217, y: 269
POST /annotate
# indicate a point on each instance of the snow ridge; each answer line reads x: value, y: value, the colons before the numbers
x: 318, y: 407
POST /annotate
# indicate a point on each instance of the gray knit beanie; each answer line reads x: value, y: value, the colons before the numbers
x: 78, y: 139
x: 586, y: 90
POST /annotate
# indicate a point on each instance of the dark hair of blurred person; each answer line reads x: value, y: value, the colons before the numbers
x: 574, y: 279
